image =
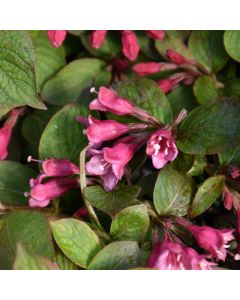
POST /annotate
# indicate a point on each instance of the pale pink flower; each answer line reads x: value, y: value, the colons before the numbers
x: 57, y: 37
x: 213, y: 240
x: 156, y: 34
x: 130, y: 45
x: 6, y: 132
x: 161, y: 146
x: 42, y: 193
x: 97, y: 38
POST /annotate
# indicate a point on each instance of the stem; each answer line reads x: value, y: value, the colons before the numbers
x: 83, y: 184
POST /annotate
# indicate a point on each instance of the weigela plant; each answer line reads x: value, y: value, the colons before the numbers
x: 119, y: 150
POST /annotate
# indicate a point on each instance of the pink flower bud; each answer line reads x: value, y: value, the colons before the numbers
x: 59, y: 167
x: 97, y: 38
x: 156, y: 34
x: 57, y: 37
x: 161, y: 146
x: 165, y: 85
x: 175, y: 57
x: 149, y: 68
x: 228, y: 201
x: 81, y: 213
x: 6, y: 132
x: 100, y: 131
x: 42, y: 193
x: 213, y: 240
x: 172, y: 82
x: 120, y: 64
x: 130, y: 45
x: 108, y: 100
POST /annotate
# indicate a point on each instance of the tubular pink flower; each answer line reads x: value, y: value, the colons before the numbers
x: 57, y: 37
x: 228, y: 201
x: 6, y: 132
x: 148, y: 68
x: 176, y: 57
x: 100, y: 131
x: 175, y: 256
x: 213, y: 240
x: 59, y: 167
x: 130, y: 47
x: 97, y: 38
x: 161, y: 146
x: 165, y: 85
x: 108, y: 100
x: 42, y: 193
x: 156, y: 34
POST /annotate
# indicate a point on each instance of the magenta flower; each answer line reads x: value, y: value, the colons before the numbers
x: 57, y: 37
x: 213, y: 240
x: 100, y: 131
x: 156, y: 34
x: 108, y: 100
x: 42, y: 193
x: 97, y: 38
x: 161, y: 146
x: 148, y: 68
x: 109, y: 163
x: 130, y: 47
x: 6, y: 132
x: 59, y: 167
x: 175, y: 256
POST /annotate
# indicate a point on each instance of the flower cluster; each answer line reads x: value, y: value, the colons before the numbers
x: 109, y: 162
x: 53, y: 181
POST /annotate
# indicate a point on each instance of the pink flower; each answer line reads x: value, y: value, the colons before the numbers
x: 109, y: 163
x: 130, y: 45
x: 42, y: 193
x: 6, y: 132
x: 175, y: 256
x: 100, y: 131
x: 59, y: 167
x: 97, y: 38
x: 213, y: 240
x: 108, y: 100
x: 228, y: 201
x: 156, y: 34
x: 175, y: 57
x: 165, y: 85
x: 161, y: 146
x: 149, y: 68
x: 81, y: 213
x: 57, y: 37
x: 234, y: 172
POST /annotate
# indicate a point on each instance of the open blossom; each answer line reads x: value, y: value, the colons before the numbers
x: 175, y: 256
x: 6, y: 132
x: 109, y: 163
x: 161, y: 146
x: 213, y: 240
x: 97, y: 38
x: 59, y: 167
x: 130, y: 47
x: 57, y: 37
x: 42, y: 193
x: 156, y: 34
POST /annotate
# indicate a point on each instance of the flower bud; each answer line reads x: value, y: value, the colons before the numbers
x: 57, y: 37
x: 97, y: 38
x: 156, y: 34
x: 130, y: 45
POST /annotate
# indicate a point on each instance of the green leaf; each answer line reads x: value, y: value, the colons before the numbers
x: 73, y: 82
x: 207, y: 193
x: 131, y: 223
x: 62, y: 261
x: 116, y: 256
x: 147, y: 45
x: 63, y: 136
x: 232, y: 43
x: 111, y: 202
x: 199, y: 164
x: 205, y: 89
x: 146, y: 94
x: 28, y: 261
x: 14, y: 182
x: 17, y: 71
x: 207, y: 48
x: 110, y: 48
x: 173, y: 192
x: 182, y: 97
x: 230, y: 157
x: 76, y: 239
x: 29, y: 227
x: 175, y: 43
x: 49, y: 59
x: 210, y: 128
